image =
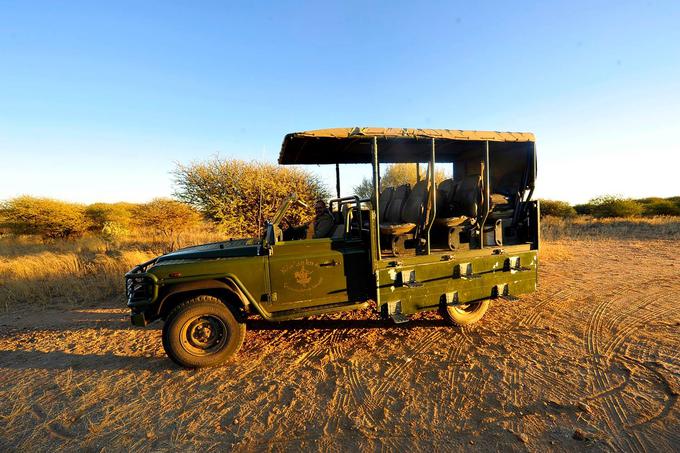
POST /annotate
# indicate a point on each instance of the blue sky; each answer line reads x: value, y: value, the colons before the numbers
x: 99, y: 100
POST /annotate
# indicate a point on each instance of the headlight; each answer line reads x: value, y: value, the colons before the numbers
x: 138, y: 288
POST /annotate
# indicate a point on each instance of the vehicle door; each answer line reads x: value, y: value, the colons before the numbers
x: 312, y: 272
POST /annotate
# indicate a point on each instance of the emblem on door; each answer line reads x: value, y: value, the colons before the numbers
x: 301, y: 275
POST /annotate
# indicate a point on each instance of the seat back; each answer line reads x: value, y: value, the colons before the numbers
x: 468, y: 196
x: 445, y: 193
x: 393, y: 211
x: 412, y: 211
x: 338, y: 232
x: 385, y: 199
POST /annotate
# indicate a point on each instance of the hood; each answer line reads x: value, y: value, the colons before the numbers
x: 225, y: 249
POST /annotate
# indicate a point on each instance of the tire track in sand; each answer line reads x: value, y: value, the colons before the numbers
x: 395, y: 375
x: 615, y: 416
x: 621, y: 325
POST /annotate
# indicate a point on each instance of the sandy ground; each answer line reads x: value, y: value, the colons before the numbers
x: 592, y: 360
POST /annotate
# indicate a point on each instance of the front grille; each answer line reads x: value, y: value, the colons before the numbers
x: 138, y: 289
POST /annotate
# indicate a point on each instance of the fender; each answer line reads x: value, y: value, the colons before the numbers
x: 227, y: 285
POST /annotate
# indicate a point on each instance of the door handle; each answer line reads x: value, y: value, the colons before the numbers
x: 328, y: 263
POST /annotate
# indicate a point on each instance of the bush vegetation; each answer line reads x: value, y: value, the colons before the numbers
x: 120, y: 214
x: 614, y: 206
x: 240, y: 195
x: 44, y: 217
x: 557, y: 209
x: 660, y: 206
x: 167, y: 219
x: 53, y: 219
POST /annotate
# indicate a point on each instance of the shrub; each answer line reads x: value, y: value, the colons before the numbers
x: 112, y: 233
x: 584, y: 209
x: 614, y: 206
x: 557, y: 209
x: 659, y: 206
x: 239, y: 195
x: 364, y: 189
x: 167, y: 218
x: 45, y: 217
x: 99, y: 214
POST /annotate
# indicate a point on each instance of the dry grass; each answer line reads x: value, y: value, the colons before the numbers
x: 74, y: 272
x: 89, y: 269
x: 661, y: 227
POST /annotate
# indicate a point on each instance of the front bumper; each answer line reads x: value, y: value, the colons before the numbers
x: 139, y: 319
x: 141, y: 291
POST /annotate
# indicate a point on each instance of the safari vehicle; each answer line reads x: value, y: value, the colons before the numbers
x: 451, y: 246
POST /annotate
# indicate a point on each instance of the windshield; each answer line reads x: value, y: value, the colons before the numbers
x: 283, y: 208
x: 272, y: 228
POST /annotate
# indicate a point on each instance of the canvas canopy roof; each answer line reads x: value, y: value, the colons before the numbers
x: 354, y: 144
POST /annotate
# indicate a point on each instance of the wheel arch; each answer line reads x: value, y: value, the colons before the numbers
x: 224, y: 289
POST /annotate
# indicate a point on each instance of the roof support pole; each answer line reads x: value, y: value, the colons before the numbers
x: 337, y: 179
x: 379, y: 179
x: 487, y: 194
x: 376, y: 195
x: 433, y: 196
x: 417, y: 171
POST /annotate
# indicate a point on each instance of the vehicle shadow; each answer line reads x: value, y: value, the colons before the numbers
x: 324, y: 324
x: 61, y: 318
x: 59, y: 360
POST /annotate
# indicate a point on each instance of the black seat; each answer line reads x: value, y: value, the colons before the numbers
x: 385, y: 200
x: 392, y: 215
x: 445, y: 192
x: 463, y: 204
x: 410, y: 213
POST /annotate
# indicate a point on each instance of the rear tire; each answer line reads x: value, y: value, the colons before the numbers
x: 465, y: 314
x: 202, y: 332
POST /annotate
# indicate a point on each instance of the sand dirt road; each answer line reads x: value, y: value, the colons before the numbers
x: 595, y: 351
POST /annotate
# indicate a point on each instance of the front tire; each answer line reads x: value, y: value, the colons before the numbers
x: 202, y: 332
x: 465, y: 314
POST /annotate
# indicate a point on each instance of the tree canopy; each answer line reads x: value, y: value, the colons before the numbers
x: 240, y: 195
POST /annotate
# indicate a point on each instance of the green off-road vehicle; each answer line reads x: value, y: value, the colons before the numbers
x: 451, y: 246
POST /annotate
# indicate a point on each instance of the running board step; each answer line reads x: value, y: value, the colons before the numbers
x: 394, y: 312
x: 398, y: 318
x: 285, y: 315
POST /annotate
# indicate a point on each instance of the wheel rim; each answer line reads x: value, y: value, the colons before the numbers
x: 466, y: 309
x: 203, y: 335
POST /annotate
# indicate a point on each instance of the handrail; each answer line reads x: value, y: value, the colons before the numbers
x: 353, y: 200
x: 432, y: 195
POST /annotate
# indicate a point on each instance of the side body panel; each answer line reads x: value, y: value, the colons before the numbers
x: 251, y: 272
x: 421, y: 284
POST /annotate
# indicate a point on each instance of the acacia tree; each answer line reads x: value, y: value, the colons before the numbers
x: 614, y: 206
x: 557, y: 208
x: 45, y: 217
x: 239, y: 195
x: 167, y: 218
